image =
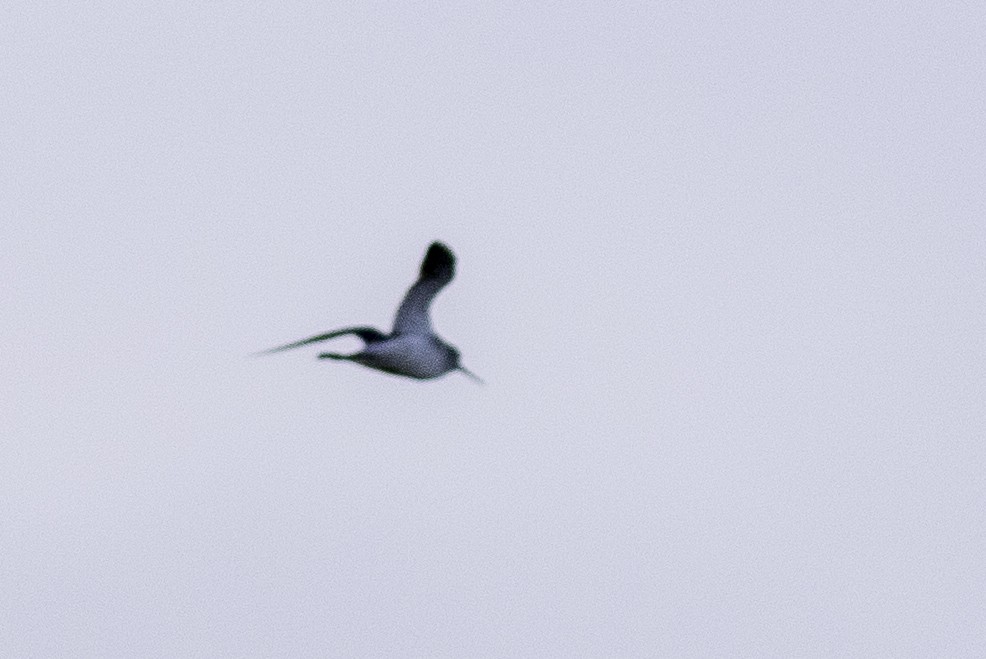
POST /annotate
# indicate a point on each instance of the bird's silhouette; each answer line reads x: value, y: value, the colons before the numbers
x: 412, y: 348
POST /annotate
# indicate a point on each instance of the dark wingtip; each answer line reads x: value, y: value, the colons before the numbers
x: 438, y: 260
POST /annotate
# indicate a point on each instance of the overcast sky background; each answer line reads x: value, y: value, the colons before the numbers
x: 722, y: 266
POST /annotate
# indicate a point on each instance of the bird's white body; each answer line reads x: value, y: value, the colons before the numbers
x: 420, y: 356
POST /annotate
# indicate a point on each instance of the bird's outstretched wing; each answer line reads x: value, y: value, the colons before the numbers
x: 368, y: 334
x: 437, y: 270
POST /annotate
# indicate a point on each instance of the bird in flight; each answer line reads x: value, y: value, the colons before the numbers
x: 412, y: 348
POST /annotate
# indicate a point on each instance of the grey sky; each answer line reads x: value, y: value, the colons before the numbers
x: 722, y: 268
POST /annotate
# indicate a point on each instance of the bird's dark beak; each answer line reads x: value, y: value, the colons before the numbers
x: 471, y: 374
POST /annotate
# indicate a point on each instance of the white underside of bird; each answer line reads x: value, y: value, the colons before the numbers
x: 418, y: 356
